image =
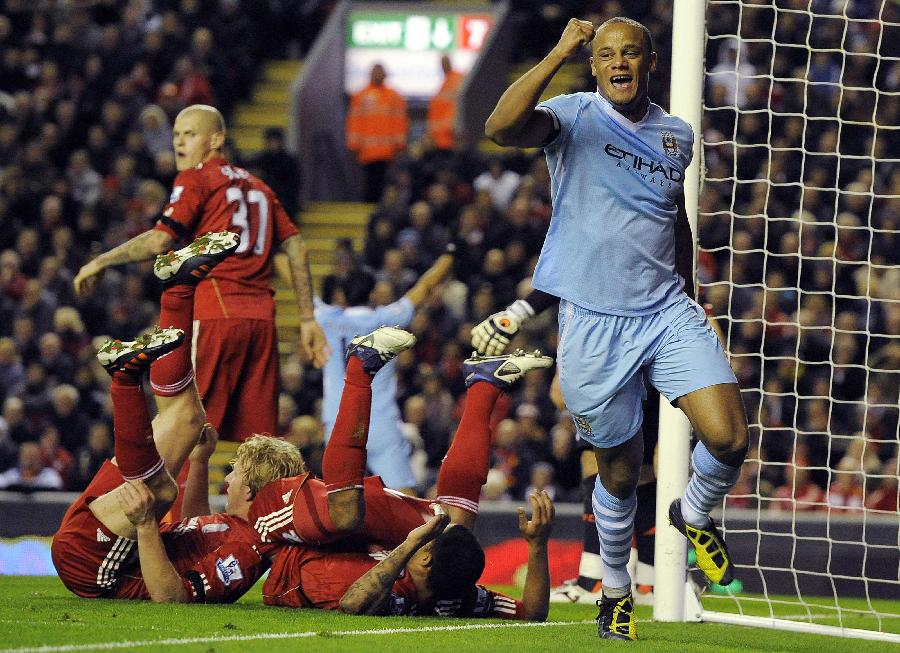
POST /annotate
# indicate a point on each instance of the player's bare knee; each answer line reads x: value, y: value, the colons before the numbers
x: 740, y: 443
x: 347, y: 509
x: 729, y: 444
x: 620, y: 481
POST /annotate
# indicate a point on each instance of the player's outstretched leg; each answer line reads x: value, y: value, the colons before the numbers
x: 465, y: 467
x: 712, y: 554
x: 344, y: 462
x: 180, y: 418
x: 136, y: 453
x: 190, y: 265
x: 616, y: 618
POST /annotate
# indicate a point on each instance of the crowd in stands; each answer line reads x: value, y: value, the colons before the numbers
x: 85, y: 163
x: 88, y: 93
x: 814, y: 341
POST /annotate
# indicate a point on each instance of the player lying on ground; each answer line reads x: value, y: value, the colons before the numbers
x: 347, y: 523
x: 212, y: 558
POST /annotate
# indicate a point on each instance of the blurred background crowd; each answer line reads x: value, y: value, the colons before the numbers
x: 88, y: 93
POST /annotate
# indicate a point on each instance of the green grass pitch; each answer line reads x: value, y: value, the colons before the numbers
x: 38, y: 614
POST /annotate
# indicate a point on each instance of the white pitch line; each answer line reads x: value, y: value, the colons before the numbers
x: 802, y: 616
x: 107, y: 646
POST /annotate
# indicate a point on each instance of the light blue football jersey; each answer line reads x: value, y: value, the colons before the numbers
x: 341, y: 325
x: 614, y: 183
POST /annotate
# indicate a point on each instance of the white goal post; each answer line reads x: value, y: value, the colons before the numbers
x: 794, y: 201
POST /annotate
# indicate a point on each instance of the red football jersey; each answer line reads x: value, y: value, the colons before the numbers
x: 218, y: 196
x: 217, y: 557
x: 303, y: 577
x: 295, y: 511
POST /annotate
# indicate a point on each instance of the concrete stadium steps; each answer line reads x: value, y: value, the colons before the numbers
x: 262, y: 115
x: 560, y: 85
x: 219, y: 464
x: 322, y: 225
x: 321, y: 249
x: 270, y: 106
x: 268, y: 92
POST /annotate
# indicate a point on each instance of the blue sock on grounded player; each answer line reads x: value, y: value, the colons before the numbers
x: 615, y: 526
x: 710, y: 482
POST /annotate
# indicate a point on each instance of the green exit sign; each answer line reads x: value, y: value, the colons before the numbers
x: 405, y: 32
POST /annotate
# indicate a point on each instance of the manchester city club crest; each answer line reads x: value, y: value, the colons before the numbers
x: 583, y: 424
x: 670, y: 145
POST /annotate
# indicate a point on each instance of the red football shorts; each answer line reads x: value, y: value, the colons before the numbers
x: 236, y: 363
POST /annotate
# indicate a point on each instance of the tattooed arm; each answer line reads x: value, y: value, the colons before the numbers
x: 368, y: 594
x: 312, y: 339
x: 142, y: 247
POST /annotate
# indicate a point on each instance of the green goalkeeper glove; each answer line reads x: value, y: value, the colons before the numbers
x: 492, y: 335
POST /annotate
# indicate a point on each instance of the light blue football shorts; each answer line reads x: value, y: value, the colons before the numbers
x: 601, y: 360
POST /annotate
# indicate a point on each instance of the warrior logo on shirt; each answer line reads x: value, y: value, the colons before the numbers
x: 176, y: 194
x: 228, y: 570
x: 670, y: 145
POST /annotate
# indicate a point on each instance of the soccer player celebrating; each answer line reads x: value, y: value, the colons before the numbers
x: 206, y: 558
x: 353, y: 522
x: 617, y: 164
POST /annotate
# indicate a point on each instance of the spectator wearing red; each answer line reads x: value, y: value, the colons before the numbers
x: 887, y: 496
x: 799, y: 492
x: 846, y: 492
x: 193, y: 86
x: 56, y: 456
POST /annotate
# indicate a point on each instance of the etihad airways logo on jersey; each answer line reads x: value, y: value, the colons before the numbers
x: 653, y: 172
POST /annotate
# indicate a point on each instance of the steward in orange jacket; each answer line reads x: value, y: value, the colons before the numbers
x: 441, y: 118
x: 377, y: 127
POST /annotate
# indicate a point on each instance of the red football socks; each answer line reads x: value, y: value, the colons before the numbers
x: 136, y: 452
x: 174, y: 372
x: 465, y: 467
x: 344, y: 462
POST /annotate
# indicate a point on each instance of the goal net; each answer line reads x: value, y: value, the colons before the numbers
x: 799, y: 256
